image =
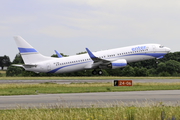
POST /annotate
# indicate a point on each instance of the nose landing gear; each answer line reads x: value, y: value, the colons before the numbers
x: 156, y: 61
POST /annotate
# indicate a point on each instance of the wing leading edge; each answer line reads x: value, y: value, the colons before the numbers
x: 96, y: 59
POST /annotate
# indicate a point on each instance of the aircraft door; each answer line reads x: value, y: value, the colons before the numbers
x: 48, y: 67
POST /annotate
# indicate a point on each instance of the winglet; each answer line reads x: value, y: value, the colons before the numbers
x: 59, y: 56
x: 90, y: 54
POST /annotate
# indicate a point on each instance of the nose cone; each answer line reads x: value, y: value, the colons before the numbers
x: 167, y: 49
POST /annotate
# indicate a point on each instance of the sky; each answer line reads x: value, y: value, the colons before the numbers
x: 69, y: 26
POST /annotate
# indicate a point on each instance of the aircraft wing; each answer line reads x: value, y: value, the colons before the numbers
x: 96, y: 59
x: 102, y: 63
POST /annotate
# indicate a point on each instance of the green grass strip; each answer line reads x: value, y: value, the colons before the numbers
x: 49, y: 88
x: 120, y: 112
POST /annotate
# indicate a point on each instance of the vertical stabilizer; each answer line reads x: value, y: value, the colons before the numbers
x: 28, y: 53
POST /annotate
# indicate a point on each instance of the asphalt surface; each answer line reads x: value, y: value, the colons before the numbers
x: 82, y: 81
x: 101, y: 99
x: 168, y: 97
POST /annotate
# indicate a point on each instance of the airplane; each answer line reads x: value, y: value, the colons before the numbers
x: 105, y: 59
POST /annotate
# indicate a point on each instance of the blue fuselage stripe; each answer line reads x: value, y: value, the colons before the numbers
x: 53, y: 71
x: 148, y: 54
x: 26, y: 50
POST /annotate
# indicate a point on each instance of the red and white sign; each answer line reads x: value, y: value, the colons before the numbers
x: 123, y: 83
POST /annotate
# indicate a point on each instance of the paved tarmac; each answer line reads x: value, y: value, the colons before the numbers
x: 101, y: 99
x: 82, y: 81
x: 168, y: 97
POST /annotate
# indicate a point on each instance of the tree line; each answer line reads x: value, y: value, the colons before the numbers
x: 169, y: 65
x: 4, y: 61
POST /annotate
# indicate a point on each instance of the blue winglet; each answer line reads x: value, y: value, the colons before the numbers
x: 90, y: 53
x: 59, y: 56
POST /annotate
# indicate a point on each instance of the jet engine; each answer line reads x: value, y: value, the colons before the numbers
x: 115, y: 64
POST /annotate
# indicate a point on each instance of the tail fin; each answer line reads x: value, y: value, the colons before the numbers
x: 28, y: 53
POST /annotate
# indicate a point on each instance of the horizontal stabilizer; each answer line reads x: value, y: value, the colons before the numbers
x: 25, y: 65
x: 17, y: 65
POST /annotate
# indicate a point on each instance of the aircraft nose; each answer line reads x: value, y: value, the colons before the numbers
x: 168, y: 49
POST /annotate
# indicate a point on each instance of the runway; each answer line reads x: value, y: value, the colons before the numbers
x: 88, y: 81
x: 87, y: 99
x: 101, y: 99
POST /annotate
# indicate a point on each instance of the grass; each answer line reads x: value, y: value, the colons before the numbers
x: 52, y: 88
x: 82, y: 78
x: 2, y: 73
x: 120, y: 111
x: 149, y: 111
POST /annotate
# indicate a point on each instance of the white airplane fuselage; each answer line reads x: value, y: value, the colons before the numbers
x: 105, y: 59
x: 84, y: 62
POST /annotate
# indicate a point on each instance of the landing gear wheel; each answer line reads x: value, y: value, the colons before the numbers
x: 156, y: 61
x: 100, y: 72
x: 94, y: 72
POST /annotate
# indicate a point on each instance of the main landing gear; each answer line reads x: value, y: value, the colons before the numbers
x: 99, y: 72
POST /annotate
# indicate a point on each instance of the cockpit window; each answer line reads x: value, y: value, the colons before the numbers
x: 161, y: 46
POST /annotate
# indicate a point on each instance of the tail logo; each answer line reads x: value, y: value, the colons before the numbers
x: 26, y: 50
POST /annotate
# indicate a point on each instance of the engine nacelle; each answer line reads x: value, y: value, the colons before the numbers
x: 115, y: 64
x: 118, y: 64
